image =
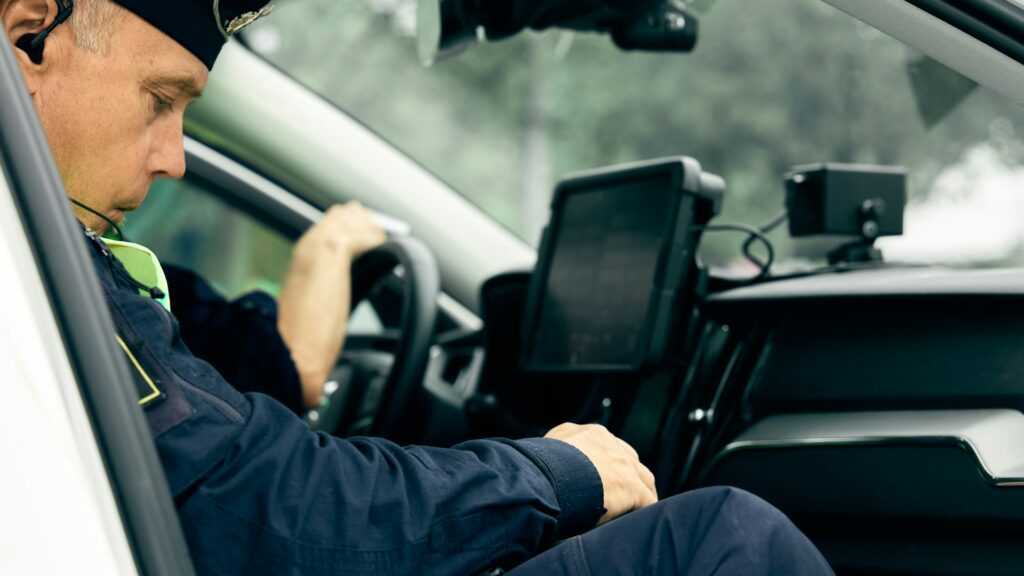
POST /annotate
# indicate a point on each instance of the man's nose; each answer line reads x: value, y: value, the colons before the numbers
x: 167, y: 158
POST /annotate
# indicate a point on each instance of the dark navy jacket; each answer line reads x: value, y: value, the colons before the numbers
x: 258, y: 493
x: 239, y: 338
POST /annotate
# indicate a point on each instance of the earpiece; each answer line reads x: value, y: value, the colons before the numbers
x: 35, y: 44
x: 32, y: 45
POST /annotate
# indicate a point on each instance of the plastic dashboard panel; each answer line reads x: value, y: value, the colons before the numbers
x: 887, y: 340
x: 891, y: 492
x: 884, y: 416
x: 988, y: 438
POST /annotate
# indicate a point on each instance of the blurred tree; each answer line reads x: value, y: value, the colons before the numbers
x: 772, y: 84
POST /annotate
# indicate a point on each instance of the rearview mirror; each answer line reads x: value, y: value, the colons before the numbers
x: 446, y: 27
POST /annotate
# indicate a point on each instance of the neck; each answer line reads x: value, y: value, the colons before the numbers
x: 94, y: 220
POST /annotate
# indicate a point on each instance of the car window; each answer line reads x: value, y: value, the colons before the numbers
x: 186, y: 223
x: 771, y: 85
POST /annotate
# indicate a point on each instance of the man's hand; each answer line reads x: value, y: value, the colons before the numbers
x: 314, y: 304
x: 628, y: 484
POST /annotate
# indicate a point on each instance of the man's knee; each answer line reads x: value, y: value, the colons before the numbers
x: 732, y: 527
x: 731, y: 512
x: 723, y: 504
x: 741, y: 507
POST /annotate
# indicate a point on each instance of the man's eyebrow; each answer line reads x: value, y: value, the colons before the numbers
x: 182, y: 84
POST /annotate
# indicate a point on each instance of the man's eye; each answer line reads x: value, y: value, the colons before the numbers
x: 161, y: 104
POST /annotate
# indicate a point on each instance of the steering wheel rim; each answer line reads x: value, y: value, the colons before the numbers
x: 402, y: 395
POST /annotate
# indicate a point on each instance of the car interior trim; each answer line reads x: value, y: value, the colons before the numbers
x: 992, y: 21
x: 914, y: 282
x: 989, y: 435
x: 244, y: 187
x: 942, y: 41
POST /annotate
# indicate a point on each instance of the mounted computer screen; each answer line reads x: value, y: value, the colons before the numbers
x: 615, y: 261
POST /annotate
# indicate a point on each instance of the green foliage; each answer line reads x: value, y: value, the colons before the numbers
x: 773, y: 83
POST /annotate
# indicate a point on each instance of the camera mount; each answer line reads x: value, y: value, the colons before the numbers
x: 847, y: 200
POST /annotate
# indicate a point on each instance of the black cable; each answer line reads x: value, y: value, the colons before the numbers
x: 154, y: 292
x: 117, y: 229
x: 759, y: 235
x: 765, y: 229
x: 754, y: 235
x: 774, y: 222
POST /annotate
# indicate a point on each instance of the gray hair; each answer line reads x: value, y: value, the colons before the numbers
x: 93, y: 23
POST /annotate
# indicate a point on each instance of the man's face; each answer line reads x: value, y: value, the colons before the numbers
x: 114, y: 119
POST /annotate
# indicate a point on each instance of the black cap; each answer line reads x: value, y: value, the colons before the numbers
x: 201, y: 26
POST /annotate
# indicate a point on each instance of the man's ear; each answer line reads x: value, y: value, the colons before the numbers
x: 22, y: 20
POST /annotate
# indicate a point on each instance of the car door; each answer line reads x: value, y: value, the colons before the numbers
x: 82, y: 489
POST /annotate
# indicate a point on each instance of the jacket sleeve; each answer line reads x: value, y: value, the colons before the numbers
x: 239, y: 338
x: 259, y: 493
x: 289, y: 501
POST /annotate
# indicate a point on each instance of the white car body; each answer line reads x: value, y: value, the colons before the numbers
x: 59, y: 515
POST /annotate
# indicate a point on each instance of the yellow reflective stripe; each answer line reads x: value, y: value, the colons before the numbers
x: 142, y: 265
x: 149, y: 381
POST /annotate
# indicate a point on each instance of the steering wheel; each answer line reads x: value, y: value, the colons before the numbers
x: 402, y: 396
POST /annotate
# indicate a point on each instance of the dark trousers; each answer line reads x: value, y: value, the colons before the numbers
x: 719, y: 531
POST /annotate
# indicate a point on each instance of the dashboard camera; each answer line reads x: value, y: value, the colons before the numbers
x: 857, y: 200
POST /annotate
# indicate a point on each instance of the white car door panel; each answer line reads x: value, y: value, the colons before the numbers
x: 59, y: 516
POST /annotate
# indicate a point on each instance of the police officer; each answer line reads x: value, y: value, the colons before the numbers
x: 256, y: 491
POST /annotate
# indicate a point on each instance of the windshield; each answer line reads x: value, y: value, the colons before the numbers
x: 771, y: 85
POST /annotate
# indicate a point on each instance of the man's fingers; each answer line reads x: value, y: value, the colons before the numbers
x: 628, y: 484
x: 649, y: 482
x: 628, y: 448
x: 646, y: 476
x: 647, y: 498
x: 561, y: 431
x: 355, y: 226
